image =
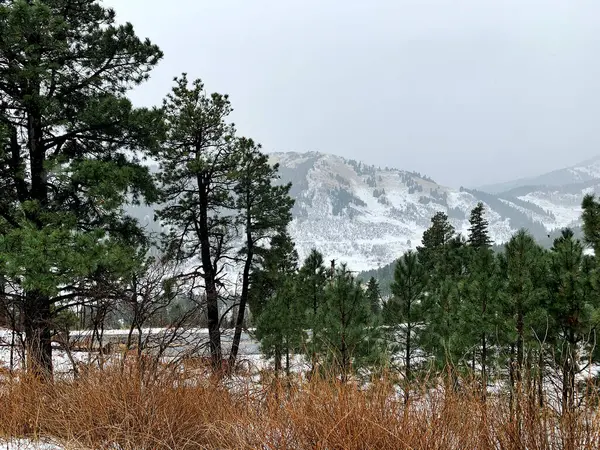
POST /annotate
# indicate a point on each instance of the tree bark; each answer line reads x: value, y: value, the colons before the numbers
x: 407, y: 362
x: 239, y: 323
x: 37, y: 311
x: 37, y: 318
x: 237, y: 334
x: 212, y: 300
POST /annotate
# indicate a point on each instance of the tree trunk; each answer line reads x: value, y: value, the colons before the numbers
x: 520, y: 344
x: 313, y: 355
x: 511, y: 378
x: 38, y: 317
x: 541, y: 379
x: 277, y: 360
x: 345, y: 359
x: 212, y: 299
x: 568, y: 390
x: 287, y: 359
x: 237, y: 335
x: 37, y: 321
x: 407, y: 363
x: 483, y: 367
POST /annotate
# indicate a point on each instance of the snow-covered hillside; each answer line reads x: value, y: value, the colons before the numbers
x: 585, y: 171
x: 368, y: 216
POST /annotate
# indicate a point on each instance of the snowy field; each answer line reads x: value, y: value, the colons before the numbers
x: 23, y: 444
x: 193, y: 342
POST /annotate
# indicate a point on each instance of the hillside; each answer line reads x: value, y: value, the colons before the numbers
x: 368, y: 216
x: 582, y: 172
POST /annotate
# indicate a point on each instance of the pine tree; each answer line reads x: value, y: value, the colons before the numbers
x: 573, y: 305
x: 348, y: 336
x: 403, y: 311
x: 65, y: 68
x: 272, y: 264
x: 312, y: 279
x: 443, y: 256
x: 264, y: 209
x: 197, y: 162
x: 591, y: 222
x: 478, y: 231
x: 480, y: 314
x: 523, y: 267
x: 374, y: 296
x: 435, y: 238
x: 279, y: 311
x: 280, y: 326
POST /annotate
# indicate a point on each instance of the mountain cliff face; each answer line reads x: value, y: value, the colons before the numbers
x: 368, y: 216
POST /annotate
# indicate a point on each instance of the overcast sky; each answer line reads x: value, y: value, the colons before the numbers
x: 469, y: 92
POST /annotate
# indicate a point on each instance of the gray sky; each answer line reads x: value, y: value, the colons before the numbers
x: 469, y: 92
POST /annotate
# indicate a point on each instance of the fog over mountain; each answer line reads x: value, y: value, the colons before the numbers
x: 471, y: 92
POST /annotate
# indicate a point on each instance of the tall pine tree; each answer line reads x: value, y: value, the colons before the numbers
x: 64, y: 170
x: 404, y: 310
x: 443, y: 257
x: 591, y: 222
x: 311, y: 281
x: 478, y: 230
x: 349, y: 337
x: 374, y: 296
x: 264, y: 209
x: 197, y: 162
x: 279, y: 310
x: 574, y: 306
x: 523, y: 267
x: 435, y: 239
x: 480, y: 311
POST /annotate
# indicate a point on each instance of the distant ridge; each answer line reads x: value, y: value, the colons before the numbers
x: 584, y: 171
x: 368, y: 216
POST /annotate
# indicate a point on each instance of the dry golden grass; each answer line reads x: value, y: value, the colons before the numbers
x: 107, y: 407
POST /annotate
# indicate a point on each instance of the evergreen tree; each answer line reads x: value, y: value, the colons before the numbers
x: 403, y: 311
x: 435, y: 238
x: 480, y: 314
x: 374, y: 296
x: 349, y: 337
x: 479, y: 311
x: 198, y: 163
x: 573, y: 306
x: 478, y: 231
x: 443, y: 257
x: 280, y: 326
x: 524, y: 269
x: 312, y: 279
x: 591, y: 222
x: 278, y: 310
x: 65, y: 68
x: 272, y: 264
x: 264, y: 209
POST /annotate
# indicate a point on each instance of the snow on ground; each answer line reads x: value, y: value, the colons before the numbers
x: 566, y: 208
x: 26, y: 444
x: 592, y: 170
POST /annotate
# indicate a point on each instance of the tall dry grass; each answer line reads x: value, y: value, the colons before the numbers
x: 104, y: 408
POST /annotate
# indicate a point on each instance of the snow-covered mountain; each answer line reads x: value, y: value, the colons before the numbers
x: 368, y: 216
x: 586, y: 171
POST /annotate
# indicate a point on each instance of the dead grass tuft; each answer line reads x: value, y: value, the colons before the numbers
x: 107, y: 407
